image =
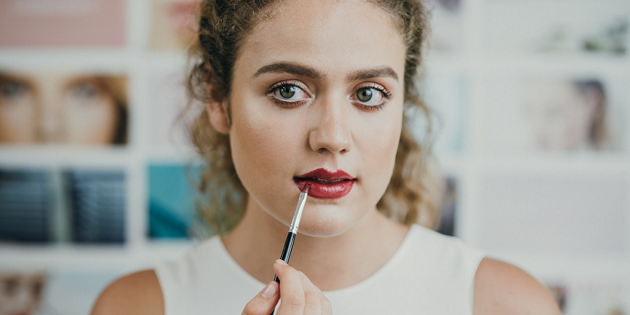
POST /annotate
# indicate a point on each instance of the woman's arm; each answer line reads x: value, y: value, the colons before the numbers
x: 501, y: 288
x: 136, y: 294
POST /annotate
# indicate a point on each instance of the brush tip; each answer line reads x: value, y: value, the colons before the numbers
x: 305, y: 187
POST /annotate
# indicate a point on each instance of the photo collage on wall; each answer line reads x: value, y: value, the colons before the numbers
x: 64, y: 116
x: 68, y: 23
x: 49, y: 290
x: 63, y: 108
x: 58, y: 206
x: 592, y: 296
x: 565, y: 114
x: 56, y: 109
x: 528, y: 104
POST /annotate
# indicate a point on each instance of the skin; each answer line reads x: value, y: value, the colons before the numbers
x: 20, y: 293
x: 180, y: 13
x: 342, y: 241
x: 559, y: 115
x: 55, y: 108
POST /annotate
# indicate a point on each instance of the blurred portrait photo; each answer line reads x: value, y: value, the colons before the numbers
x: 567, y: 115
x: 448, y: 206
x: 63, y: 23
x: 21, y: 292
x: 448, y: 33
x: 555, y: 114
x: 63, y: 108
x: 172, y: 24
x: 171, y: 201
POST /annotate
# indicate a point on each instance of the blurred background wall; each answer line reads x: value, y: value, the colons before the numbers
x: 531, y: 102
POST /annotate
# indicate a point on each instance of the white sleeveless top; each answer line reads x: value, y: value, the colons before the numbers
x: 430, y: 274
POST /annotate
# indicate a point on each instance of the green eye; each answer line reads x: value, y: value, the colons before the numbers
x: 287, y: 91
x: 12, y: 90
x: 364, y: 94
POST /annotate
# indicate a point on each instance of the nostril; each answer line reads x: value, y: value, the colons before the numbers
x: 333, y: 137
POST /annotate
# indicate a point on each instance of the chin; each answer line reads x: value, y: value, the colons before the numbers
x: 322, y: 225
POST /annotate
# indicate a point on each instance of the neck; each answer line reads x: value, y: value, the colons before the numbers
x: 331, y: 263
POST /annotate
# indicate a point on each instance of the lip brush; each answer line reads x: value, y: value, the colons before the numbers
x: 293, y: 229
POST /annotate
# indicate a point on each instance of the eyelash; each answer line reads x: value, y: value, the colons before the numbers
x: 282, y: 103
x: 387, y: 95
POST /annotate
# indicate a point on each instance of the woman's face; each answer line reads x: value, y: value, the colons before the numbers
x: 559, y: 115
x: 39, y: 108
x: 20, y: 294
x: 318, y: 85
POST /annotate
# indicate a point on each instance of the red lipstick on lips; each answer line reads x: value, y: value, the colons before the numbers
x: 326, y: 184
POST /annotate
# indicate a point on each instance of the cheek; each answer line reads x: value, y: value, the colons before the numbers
x: 17, y: 122
x: 263, y: 142
x: 377, y: 146
x: 378, y: 140
x: 92, y: 123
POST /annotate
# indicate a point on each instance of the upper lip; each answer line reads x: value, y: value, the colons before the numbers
x: 324, y: 174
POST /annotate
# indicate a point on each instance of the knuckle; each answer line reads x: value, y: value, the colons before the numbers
x: 312, y: 301
x: 285, y: 271
x: 294, y: 300
x: 252, y: 308
x: 289, y: 273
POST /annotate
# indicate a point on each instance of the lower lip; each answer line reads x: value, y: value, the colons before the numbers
x: 326, y: 191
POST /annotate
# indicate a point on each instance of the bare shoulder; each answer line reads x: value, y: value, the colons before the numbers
x: 501, y: 288
x: 138, y: 293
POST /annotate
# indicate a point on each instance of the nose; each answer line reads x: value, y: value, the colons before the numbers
x: 50, y: 129
x: 331, y: 131
x: 24, y: 300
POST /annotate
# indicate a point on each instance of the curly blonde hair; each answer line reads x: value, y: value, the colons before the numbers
x: 223, y: 26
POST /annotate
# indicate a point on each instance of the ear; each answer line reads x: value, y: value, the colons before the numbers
x: 218, y: 115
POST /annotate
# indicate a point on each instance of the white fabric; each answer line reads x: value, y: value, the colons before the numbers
x: 430, y: 274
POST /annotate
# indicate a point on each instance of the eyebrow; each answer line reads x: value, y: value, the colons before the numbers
x: 285, y: 67
x: 301, y: 70
x: 373, y: 73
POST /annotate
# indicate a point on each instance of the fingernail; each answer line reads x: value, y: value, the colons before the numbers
x: 270, y: 290
x: 280, y: 261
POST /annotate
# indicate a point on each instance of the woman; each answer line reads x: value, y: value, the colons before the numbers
x: 567, y: 115
x: 314, y: 91
x: 62, y: 108
x: 21, y: 291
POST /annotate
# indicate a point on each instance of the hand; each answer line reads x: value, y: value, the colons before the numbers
x: 299, y: 296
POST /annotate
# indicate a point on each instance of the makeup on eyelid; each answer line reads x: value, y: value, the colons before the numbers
x: 281, y: 92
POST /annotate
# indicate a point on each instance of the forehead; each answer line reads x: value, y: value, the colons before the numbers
x: 326, y: 34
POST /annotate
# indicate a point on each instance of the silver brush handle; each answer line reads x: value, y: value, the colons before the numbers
x: 295, y: 224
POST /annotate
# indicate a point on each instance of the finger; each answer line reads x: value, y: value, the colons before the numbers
x: 264, y: 302
x: 291, y: 291
x: 312, y: 297
x: 325, y: 304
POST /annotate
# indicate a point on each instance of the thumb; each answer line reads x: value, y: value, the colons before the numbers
x: 264, y: 302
